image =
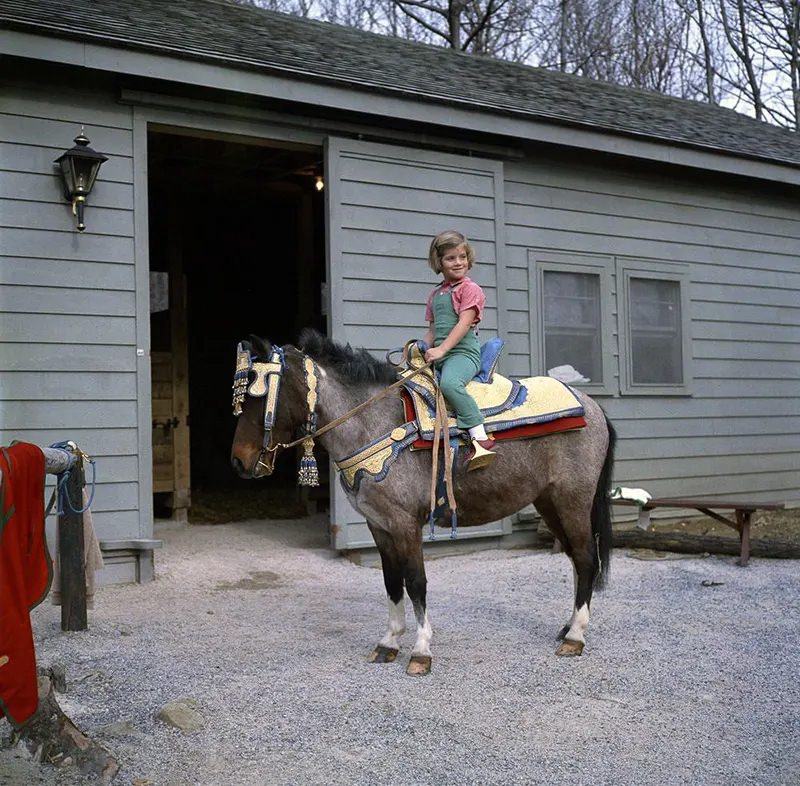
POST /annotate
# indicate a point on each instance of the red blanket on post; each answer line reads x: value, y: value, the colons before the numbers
x: 25, y: 575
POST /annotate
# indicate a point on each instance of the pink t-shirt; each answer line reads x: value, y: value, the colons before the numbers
x: 466, y: 294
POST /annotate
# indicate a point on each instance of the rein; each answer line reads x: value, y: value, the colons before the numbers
x: 363, y: 405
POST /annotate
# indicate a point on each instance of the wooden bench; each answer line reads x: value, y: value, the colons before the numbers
x: 743, y: 512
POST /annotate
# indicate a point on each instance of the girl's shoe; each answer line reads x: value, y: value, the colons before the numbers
x: 481, y: 454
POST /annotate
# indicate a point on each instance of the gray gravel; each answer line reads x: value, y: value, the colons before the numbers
x: 269, y: 631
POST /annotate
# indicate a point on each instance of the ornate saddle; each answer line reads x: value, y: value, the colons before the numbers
x: 512, y: 408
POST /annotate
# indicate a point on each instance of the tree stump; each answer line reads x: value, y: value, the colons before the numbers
x: 51, y: 737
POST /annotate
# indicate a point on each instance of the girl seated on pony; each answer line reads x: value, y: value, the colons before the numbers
x: 454, y: 309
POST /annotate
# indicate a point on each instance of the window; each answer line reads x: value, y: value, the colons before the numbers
x: 654, y: 327
x: 572, y: 322
x: 571, y: 318
x: 619, y: 326
x: 655, y: 332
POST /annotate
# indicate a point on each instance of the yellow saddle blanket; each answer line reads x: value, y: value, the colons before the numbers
x: 504, y: 403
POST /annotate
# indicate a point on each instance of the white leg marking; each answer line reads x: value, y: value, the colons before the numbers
x: 578, y: 624
x: 422, y: 646
x: 397, y: 625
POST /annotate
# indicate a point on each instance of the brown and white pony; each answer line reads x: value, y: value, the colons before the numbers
x: 566, y: 476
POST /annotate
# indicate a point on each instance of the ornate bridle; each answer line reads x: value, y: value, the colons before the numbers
x: 266, y: 384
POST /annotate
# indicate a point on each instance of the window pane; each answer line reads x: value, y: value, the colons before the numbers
x: 656, y: 332
x: 572, y: 322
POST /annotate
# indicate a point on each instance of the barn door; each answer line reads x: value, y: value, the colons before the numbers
x: 385, y: 203
x: 167, y: 439
x: 170, y: 396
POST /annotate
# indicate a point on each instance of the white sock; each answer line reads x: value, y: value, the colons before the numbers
x: 478, y: 432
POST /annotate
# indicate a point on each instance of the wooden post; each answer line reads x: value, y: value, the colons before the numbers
x: 71, y: 552
x: 743, y: 521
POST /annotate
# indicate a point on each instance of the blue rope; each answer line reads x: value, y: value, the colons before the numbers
x: 63, y: 477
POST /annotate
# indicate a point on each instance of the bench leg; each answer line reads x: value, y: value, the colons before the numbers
x: 743, y: 525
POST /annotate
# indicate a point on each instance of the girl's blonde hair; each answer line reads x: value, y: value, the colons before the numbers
x: 444, y: 241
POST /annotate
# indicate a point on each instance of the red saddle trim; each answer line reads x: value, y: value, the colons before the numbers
x: 518, y: 432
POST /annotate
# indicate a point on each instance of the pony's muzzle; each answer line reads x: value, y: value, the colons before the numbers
x: 262, y: 467
x: 238, y: 467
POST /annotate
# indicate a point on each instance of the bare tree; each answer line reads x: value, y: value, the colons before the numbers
x: 491, y: 27
x: 776, y: 34
x: 581, y: 36
x: 733, y: 14
x: 707, y: 55
x: 750, y: 55
x: 640, y: 43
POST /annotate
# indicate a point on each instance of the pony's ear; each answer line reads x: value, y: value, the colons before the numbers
x: 261, y: 347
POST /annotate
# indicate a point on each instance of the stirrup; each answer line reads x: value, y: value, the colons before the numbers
x: 480, y: 456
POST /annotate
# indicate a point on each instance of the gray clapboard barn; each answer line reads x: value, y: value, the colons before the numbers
x: 652, y: 244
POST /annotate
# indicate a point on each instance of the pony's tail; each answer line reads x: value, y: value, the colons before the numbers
x: 601, y: 511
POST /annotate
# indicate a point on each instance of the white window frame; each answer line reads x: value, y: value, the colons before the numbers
x: 658, y: 270
x: 541, y: 262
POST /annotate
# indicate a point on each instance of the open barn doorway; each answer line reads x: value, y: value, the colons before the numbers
x: 236, y: 247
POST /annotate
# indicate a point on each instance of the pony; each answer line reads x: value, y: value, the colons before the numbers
x: 566, y: 476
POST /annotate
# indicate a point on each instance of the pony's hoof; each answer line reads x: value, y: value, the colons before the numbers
x: 419, y: 665
x: 569, y: 648
x: 382, y: 654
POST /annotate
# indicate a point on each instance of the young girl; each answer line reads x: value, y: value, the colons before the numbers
x: 454, y: 309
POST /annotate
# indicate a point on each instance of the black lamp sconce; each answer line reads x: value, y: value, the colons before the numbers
x: 79, y: 168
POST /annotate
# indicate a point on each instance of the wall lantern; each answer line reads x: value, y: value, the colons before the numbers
x: 319, y: 183
x: 79, y: 168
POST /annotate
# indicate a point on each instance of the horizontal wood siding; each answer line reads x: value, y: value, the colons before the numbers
x: 738, y: 433
x: 390, y: 202
x: 386, y: 203
x: 67, y: 299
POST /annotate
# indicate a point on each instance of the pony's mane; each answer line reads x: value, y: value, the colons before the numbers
x: 355, y: 366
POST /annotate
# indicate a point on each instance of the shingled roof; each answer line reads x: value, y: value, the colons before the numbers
x: 245, y: 37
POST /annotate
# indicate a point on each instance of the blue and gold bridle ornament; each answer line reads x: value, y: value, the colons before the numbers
x: 266, y: 383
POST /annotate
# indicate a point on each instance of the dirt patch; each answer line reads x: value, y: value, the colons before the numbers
x: 257, y: 580
x: 779, y: 525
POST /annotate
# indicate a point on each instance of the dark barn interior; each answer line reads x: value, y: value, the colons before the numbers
x: 243, y: 226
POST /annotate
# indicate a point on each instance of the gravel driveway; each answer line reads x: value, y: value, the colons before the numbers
x: 689, y: 674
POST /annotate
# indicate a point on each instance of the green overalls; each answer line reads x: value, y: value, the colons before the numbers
x: 459, y: 365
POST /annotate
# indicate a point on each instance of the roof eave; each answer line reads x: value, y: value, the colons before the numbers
x: 244, y: 75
